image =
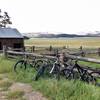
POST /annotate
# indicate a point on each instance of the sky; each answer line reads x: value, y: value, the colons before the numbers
x: 67, y: 16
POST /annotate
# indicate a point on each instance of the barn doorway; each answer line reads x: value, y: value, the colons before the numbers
x: 17, y: 45
x: 0, y: 46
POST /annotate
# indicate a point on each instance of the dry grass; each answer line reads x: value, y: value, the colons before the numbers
x: 92, y: 42
x: 15, y: 95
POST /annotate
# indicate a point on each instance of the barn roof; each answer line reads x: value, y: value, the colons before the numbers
x: 10, y: 33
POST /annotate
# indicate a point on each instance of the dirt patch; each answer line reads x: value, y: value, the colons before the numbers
x: 21, y: 87
x: 34, y: 96
x: 26, y: 88
x: 3, y: 95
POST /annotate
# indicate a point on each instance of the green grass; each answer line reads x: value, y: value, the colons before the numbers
x: 51, y: 88
x: 4, y: 85
x: 89, y: 64
x: 6, y: 65
x: 93, y: 56
x: 67, y: 90
x: 0, y: 78
x: 15, y: 95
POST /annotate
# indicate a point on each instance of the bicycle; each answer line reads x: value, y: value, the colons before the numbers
x: 69, y: 70
x: 25, y: 63
x: 45, y: 68
x: 51, y: 68
x: 75, y: 71
x: 82, y: 74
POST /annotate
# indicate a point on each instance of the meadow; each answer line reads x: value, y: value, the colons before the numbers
x: 93, y: 42
x: 50, y: 87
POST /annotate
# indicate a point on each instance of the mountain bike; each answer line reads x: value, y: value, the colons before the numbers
x: 78, y: 72
x: 44, y: 69
x: 50, y: 67
x: 25, y: 63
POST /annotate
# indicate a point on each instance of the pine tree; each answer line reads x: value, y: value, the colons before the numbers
x: 4, y: 19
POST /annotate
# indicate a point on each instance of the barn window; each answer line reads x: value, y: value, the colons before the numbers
x: 17, y: 45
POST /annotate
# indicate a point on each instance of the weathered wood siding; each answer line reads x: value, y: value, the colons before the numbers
x: 9, y: 42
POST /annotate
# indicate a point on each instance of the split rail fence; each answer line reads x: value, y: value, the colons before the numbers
x: 12, y: 54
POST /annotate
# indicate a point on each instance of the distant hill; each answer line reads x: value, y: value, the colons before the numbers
x: 94, y: 34
x: 53, y: 35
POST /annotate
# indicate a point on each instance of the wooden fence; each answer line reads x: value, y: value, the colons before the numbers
x: 14, y: 54
x: 79, y: 51
x: 10, y: 53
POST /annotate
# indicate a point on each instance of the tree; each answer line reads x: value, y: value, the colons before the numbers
x: 4, y: 19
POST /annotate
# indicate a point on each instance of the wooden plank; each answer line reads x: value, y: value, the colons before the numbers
x: 31, y: 54
x: 84, y: 59
x: 52, y: 57
x: 12, y: 56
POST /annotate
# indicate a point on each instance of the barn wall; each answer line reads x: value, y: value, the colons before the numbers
x: 10, y: 42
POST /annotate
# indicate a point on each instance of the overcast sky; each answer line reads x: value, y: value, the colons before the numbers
x: 68, y: 16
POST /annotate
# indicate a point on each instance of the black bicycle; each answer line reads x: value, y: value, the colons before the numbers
x: 68, y: 70
x: 44, y: 69
x: 78, y: 72
x: 51, y: 68
x: 25, y: 63
x: 74, y: 71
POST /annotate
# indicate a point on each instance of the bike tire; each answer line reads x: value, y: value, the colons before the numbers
x: 68, y: 74
x: 88, y: 77
x: 40, y: 72
x: 37, y: 64
x: 56, y: 72
x: 19, y: 65
x: 95, y: 74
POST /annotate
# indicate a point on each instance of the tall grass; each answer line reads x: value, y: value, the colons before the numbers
x: 6, y: 65
x: 67, y: 90
x: 51, y: 88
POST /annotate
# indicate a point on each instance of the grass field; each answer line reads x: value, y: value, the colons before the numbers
x: 93, y: 42
x: 51, y: 88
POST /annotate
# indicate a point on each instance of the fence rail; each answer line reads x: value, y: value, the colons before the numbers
x: 30, y: 54
x: 66, y: 49
x: 52, y: 57
x: 7, y: 52
x: 84, y: 59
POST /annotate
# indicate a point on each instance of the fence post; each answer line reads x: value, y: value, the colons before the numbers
x: 33, y: 48
x: 82, y: 52
x: 5, y: 51
x: 56, y: 52
x: 98, y: 51
x: 23, y: 49
x: 50, y: 48
x: 64, y: 47
x: 81, y: 48
x: 67, y: 47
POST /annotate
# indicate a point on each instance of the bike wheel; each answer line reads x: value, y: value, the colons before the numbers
x: 88, y: 77
x: 91, y: 79
x: 68, y: 74
x: 56, y: 72
x: 95, y: 75
x: 20, y: 65
x: 37, y: 64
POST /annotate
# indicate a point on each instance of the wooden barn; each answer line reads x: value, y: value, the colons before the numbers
x: 11, y: 37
